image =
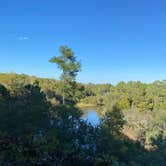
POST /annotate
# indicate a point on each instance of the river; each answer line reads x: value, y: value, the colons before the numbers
x: 91, y: 116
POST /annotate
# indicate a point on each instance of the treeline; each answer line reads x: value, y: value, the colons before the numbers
x: 36, y: 129
x: 143, y: 106
x: 51, y: 88
x: 131, y: 95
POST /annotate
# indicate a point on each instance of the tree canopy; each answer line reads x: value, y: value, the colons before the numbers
x: 70, y: 67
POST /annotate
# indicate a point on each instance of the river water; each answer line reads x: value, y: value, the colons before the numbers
x: 91, y: 116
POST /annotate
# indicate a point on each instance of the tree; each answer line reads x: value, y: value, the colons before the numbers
x: 70, y: 67
x: 4, y: 98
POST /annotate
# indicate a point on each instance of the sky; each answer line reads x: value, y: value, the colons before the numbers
x: 116, y: 40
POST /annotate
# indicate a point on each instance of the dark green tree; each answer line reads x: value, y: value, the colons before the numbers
x: 4, y: 98
x: 70, y: 67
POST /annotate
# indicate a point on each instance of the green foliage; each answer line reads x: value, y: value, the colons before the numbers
x: 50, y: 87
x: 113, y: 119
x: 4, y: 97
x: 124, y: 103
x: 70, y: 67
x: 36, y: 129
x: 25, y: 112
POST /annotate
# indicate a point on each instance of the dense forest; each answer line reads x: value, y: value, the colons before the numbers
x: 40, y: 120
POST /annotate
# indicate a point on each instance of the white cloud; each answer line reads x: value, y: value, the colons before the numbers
x: 23, y: 38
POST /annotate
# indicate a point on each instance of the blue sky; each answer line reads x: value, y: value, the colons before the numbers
x: 114, y: 39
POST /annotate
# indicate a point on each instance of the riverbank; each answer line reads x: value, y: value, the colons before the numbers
x: 86, y: 105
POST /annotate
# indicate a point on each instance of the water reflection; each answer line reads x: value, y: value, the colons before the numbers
x: 91, y: 116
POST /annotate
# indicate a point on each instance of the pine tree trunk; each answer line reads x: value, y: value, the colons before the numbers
x: 63, y: 102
